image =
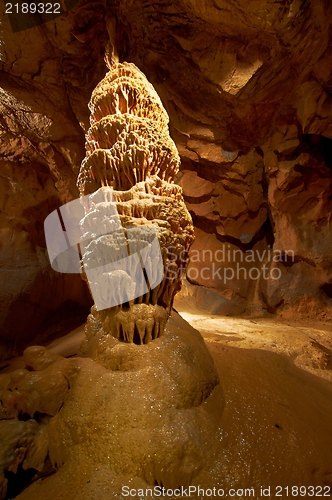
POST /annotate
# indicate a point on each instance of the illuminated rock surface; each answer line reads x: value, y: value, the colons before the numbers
x: 247, y: 87
x: 150, y: 412
x: 275, y: 420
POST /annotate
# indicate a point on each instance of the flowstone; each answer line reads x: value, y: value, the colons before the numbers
x: 149, y: 417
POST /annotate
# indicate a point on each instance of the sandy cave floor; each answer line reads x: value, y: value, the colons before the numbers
x: 277, y: 423
x: 276, y: 376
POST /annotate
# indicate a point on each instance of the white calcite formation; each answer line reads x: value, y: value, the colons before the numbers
x: 126, y: 185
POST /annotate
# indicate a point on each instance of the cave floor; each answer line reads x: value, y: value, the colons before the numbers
x: 276, y: 426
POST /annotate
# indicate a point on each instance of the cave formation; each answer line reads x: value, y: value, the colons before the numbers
x: 206, y: 127
x: 129, y: 217
x: 131, y: 157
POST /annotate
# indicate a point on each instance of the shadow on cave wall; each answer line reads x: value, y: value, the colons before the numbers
x: 49, y: 303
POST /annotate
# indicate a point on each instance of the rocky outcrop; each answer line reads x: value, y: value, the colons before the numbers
x: 30, y: 397
x: 43, y: 107
x: 298, y: 167
x: 47, y: 408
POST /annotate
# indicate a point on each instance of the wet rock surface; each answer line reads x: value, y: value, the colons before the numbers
x: 145, y: 411
x: 247, y: 88
x: 275, y: 411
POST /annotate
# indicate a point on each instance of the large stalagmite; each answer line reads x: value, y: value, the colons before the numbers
x: 141, y: 405
x: 131, y: 162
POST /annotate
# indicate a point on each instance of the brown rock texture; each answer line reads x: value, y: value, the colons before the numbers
x: 247, y: 87
x: 57, y: 409
x: 46, y: 80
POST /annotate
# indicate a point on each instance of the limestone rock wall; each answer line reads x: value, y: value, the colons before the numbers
x: 247, y: 87
x: 47, y: 76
